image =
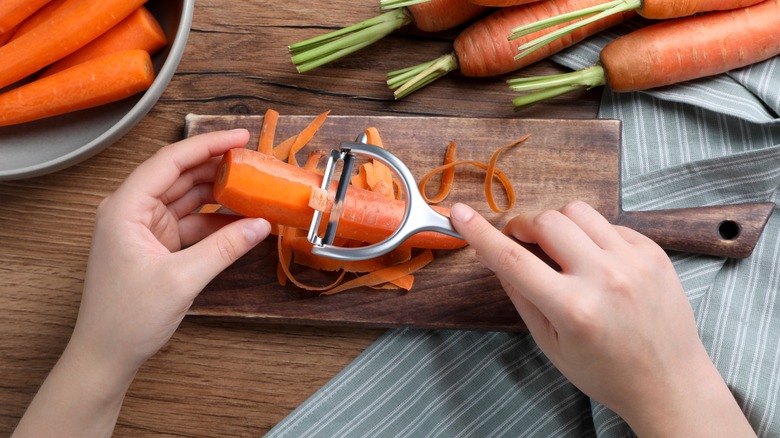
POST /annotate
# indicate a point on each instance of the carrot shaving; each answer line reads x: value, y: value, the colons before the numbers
x: 386, y: 274
x: 489, y: 179
x: 447, y: 177
x: 209, y: 208
x: 288, y: 149
x: 265, y: 143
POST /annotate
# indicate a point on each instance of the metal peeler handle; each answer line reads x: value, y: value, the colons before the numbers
x: 418, y: 217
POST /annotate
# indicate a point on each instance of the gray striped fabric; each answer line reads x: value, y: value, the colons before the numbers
x: 711, y: 141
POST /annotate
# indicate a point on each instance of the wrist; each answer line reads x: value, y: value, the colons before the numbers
x: 697, y: 403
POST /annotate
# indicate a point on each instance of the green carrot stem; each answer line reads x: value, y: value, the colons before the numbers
x: 592, y: 15
x: 411, y: 79
x: 555, y: 85
x: 320, y: 50
x: 386, y: 5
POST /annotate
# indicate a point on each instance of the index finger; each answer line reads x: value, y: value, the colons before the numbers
x: 531, y: 276
x: 157, y: 174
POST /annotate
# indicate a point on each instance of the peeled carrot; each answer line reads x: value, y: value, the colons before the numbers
x: 653, y: 9
x: 72, y: 26
x: 37, y: 18
x: 429, y: 16
x: 257, y: 185
x: 140, y: 30
x: 96, y: 82
x: 5, y: 37
x: 482, y: 49
x: 670, y: 52
x: 13, y: 12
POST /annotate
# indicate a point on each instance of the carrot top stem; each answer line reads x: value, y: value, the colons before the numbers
x: 407, y: 81
x: 317, y: 51
x: 547, y: 87
x: 386, y: 5
x: 583, y: 16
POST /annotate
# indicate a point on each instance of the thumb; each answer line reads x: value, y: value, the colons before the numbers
x: 207, y: 258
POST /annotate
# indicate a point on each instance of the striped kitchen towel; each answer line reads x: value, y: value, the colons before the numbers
x: 710, y: 141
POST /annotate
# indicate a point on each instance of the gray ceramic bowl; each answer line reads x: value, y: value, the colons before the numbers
x: 45, y: 146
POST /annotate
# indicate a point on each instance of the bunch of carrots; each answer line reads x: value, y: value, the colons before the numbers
x: 59, y: 56
x: 691, y: 39
x: 372, y: 211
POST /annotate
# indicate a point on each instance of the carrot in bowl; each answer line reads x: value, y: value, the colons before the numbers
x: 37, y: 18
x: 653, y: 9
x: 70, y: 27
x: 670, y: 52
x: 482, y: 49
x: 140, y: 30
x: 96, y: 82
x: 428, y: 15
x: 13, y: 12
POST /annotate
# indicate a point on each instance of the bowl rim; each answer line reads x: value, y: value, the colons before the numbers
x: 129, y: 120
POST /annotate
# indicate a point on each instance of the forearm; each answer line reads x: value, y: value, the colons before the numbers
x: 79, y: 398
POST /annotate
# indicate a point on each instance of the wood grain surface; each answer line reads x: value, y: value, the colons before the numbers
x: 551, y: 168
x: 225, y: 378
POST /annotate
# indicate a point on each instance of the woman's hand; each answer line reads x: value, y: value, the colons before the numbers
x: 150, y: 258
x: 613, y: 317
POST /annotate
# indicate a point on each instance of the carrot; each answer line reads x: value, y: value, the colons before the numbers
x: 482, y: 49
x: 257, y: 185
x: 40, y: 16
x: 96, y: 82
x: 653, y: 9
x: 140, y: 30
x: 670, y: 52
x: 72, y: 26
x: 5, y: 37
x: 13, y: 12
x: 501, y: 3
x: 429, y: 16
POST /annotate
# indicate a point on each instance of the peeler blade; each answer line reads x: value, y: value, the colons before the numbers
x: 418, y: 216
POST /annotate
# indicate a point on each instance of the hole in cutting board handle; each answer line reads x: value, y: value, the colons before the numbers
x: 728, y: 230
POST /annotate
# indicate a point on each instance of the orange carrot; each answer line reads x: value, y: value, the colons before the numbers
x: 140, y: 30
x: 429, y: 16
x: 13, y: 12
x: 103, y: 80
x: 40, y: 16
x: 5, y: 37
x: 257, y: 185
x: 72, y: 26
x: 655, y: 9
x: 483, y: 49
x: 501, y: 3
x: 265, y: 144
x: 670, y: 52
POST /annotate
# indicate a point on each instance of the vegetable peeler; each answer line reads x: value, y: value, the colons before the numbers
x: 418, y: 216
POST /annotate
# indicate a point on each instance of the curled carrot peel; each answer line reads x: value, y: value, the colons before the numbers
x: 265, y: 144
x: 490, y: 169
x: 387, y: 274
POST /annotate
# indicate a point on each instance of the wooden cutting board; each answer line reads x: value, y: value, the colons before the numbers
x: 561, y: 161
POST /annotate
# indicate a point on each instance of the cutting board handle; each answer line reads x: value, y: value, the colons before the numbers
x: 723, y: 231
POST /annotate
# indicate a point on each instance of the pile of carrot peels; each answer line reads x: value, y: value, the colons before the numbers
x: 394, y: 270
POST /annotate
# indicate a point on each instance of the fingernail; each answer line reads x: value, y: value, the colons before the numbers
x: 461, y: 212
x: 256, y: 230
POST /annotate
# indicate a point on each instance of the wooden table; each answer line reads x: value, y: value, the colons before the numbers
x: 215, y: 378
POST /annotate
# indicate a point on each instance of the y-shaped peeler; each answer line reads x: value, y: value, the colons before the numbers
x: 418, y: 216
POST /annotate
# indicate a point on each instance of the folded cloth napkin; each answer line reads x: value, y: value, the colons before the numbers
x: 706, y: 142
